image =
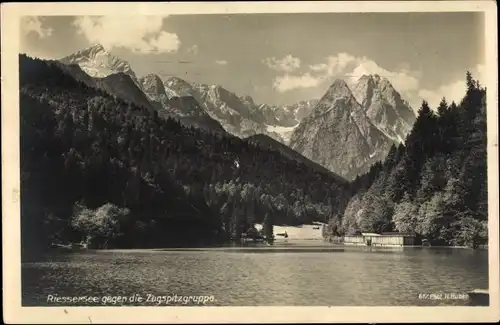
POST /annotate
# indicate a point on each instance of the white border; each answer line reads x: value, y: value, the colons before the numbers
x: 14, y: 313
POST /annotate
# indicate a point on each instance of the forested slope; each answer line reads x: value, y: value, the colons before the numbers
x: 435, y: 184
x: 92, y: 164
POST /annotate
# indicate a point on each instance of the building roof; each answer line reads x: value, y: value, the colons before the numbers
x: 396, y: 233
x: 392, y: 233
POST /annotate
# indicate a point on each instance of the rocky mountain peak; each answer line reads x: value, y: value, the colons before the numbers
x: 338, y: 98
x: 363, y: 89
x: 97, y: 49
x: 91, y: 52
x: 153, y: 78
x: 153, y: 86
x: 384, y: 106
x: 352, y: 127
x: 179, y: 87
x: 174, y: 81
x: 97, y: 62
x: 374, y: 80
x: 101, y: 69
x: 339, y: 88
x: 248, y: 99
x: 338, y: 135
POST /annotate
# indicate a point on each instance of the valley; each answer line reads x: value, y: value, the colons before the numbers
x: 211, y: 164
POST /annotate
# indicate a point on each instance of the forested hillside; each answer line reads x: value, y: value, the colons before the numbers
x: 435, y: 184
x: 95, y: 165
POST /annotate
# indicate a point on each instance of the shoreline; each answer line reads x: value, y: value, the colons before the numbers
x: 290, y: 245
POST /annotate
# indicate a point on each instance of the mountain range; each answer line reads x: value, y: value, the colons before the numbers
x: 346, y: 131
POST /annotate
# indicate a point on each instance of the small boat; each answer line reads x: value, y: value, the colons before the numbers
x: 70, y: 246
x: 61, y: 246
x: 426, y: 243
x: 316, y: 228
x: 479, y: 297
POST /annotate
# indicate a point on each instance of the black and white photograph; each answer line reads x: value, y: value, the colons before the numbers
x: 232, y: 158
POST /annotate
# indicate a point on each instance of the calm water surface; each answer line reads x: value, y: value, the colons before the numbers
x: 280, y: 275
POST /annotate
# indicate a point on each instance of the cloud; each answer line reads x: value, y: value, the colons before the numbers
x: 34, y: 24
x: 334, y: 65
x: 403, y: 80
x: 221, y: 62
x: 286, y: 64
x: 193, y: 50
x: 290, y: 82
x: 453, y: 91
x: 140, y: 34
x: 319, y: 67
x: 406, y: 82
x: 350, y: 68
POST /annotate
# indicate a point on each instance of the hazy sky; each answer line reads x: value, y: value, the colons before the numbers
x: 281, y: 58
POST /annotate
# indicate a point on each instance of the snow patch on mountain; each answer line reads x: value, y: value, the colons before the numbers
x: 284, y: 132
x: 97, y: 62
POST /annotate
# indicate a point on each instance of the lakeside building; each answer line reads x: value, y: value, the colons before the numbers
x: 383, y: 239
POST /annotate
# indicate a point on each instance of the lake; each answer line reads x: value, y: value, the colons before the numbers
x: 311, y: 275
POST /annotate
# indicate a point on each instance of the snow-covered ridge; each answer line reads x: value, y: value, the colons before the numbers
x: 97, y: 62
x: 241, y: 116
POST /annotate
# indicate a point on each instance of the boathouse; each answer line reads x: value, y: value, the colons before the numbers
x: 383, y: 239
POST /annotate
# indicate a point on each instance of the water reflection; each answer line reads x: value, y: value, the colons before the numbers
x: 313, y: 274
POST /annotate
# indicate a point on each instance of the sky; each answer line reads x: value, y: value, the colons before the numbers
x: 281, y: 58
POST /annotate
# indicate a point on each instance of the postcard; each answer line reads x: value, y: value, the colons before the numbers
x: 263, y: 162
